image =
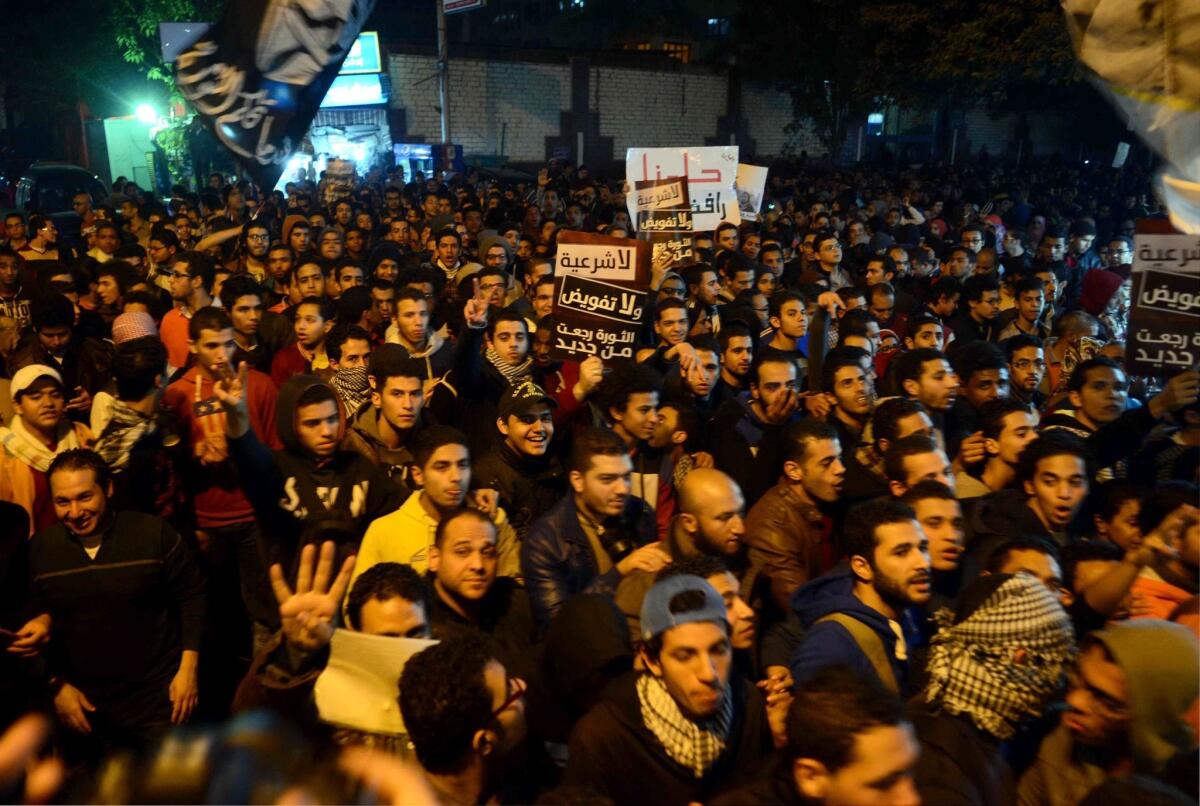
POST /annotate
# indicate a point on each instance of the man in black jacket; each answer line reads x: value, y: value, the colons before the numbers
x: 595, y: 535
x: 523, y: 469
x: 684, y: 728
x: 126, y: 602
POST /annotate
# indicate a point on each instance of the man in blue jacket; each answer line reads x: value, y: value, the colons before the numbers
x: 860, y: 614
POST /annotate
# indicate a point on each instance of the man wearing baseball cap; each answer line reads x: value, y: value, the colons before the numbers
x: 524, y: 469
x: 39, y: 431
x: 684, y: 728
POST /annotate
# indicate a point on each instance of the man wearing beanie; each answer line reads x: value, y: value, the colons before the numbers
x: 1126, y: 706
x: 684, y: 728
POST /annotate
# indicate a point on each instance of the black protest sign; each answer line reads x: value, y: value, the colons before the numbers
x: 664, y: 220
x: 257, y: 77
x: 1164, y: 320
x: 599, y: 296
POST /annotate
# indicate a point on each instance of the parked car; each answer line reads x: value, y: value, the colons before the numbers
x: 49, y: 188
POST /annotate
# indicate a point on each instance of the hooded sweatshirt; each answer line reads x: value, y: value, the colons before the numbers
x: 299, y: 499
x: 1161, y: 666
x: 830, y: 644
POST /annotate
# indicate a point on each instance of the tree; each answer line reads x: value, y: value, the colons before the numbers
x: 813, y: 48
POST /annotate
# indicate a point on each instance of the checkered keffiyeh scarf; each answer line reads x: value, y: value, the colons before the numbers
x: 126, y: 427
x: 352, y: 387
x: 1003, y: 662
x: 694, y: 745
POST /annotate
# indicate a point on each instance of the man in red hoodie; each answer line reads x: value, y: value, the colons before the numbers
x: 225, y: 525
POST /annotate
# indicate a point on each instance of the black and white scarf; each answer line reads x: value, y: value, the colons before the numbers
x: 352, y: 387
x: 511, y: 373
x: 1001, y: 664
x: 124, y: 429
x: 695, y: 745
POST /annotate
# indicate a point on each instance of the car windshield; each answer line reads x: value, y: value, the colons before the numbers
x: 55, y: 191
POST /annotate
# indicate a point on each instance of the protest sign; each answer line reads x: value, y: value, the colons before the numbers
x: 710, y: 171
x: 257, y: 77
x: 751, y: 184
x: 1164, y: 320
x: 664, y: 220
x: 599, y: 293
x: 359, y: 687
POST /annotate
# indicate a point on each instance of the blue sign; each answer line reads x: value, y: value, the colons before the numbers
x: 364, y: 56
x: 363, y: 90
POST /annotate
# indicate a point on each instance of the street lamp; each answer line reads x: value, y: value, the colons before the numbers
x: 145, y: 113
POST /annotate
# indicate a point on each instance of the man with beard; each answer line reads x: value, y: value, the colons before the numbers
x: 790, y: 529
x: 255, y: 241
x: 737, y: 356
x: 470, y: 599
x: 710, y: 522
x: 860, y: 615
x: 528, y: 477
x: 1026, y: 368
x: 684, y: 728
x: 441, y: 472
x: 597, y: 534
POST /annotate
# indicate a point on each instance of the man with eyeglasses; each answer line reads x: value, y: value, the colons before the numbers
x: 161, y: 249
x: 465, y: 715
x: 1119, y: 252
x: 43, y: 245
x: 1127, y: 704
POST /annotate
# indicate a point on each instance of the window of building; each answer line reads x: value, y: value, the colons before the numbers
x: 678, y: 50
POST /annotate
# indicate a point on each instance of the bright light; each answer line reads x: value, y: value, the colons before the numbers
x: 146, y: 114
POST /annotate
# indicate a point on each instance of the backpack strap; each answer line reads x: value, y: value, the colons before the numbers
x: 870, y: 644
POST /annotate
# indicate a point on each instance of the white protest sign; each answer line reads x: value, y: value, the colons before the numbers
x: 359, y: 688
x: 597, y: 262
x: 710, y: 170
x: 751, y: 184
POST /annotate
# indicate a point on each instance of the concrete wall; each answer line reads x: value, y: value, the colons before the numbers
x: 514, y: 109
x: 519, y: 101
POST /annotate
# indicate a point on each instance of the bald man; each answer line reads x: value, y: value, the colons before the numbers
x: 711, y: 520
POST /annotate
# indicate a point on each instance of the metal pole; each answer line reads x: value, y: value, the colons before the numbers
x: 858, y: 150
x: 954, y: 146
x: 443, y: 69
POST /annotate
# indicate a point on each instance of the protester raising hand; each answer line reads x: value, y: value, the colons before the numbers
x: 308, y: 612
x: 230, y: 389
x: 475, y: 312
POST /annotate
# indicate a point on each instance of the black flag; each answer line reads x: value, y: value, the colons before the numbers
x: 258, y: 75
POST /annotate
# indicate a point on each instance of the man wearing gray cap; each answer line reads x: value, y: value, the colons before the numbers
x: 683, y: 729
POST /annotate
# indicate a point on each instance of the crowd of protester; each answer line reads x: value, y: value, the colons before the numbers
x: 876, y: 515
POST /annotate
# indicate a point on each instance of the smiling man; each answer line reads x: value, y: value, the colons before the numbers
x: 857, y: 616
x: 522, y: 469
x: 126, y: 601
x: 685, y: 727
